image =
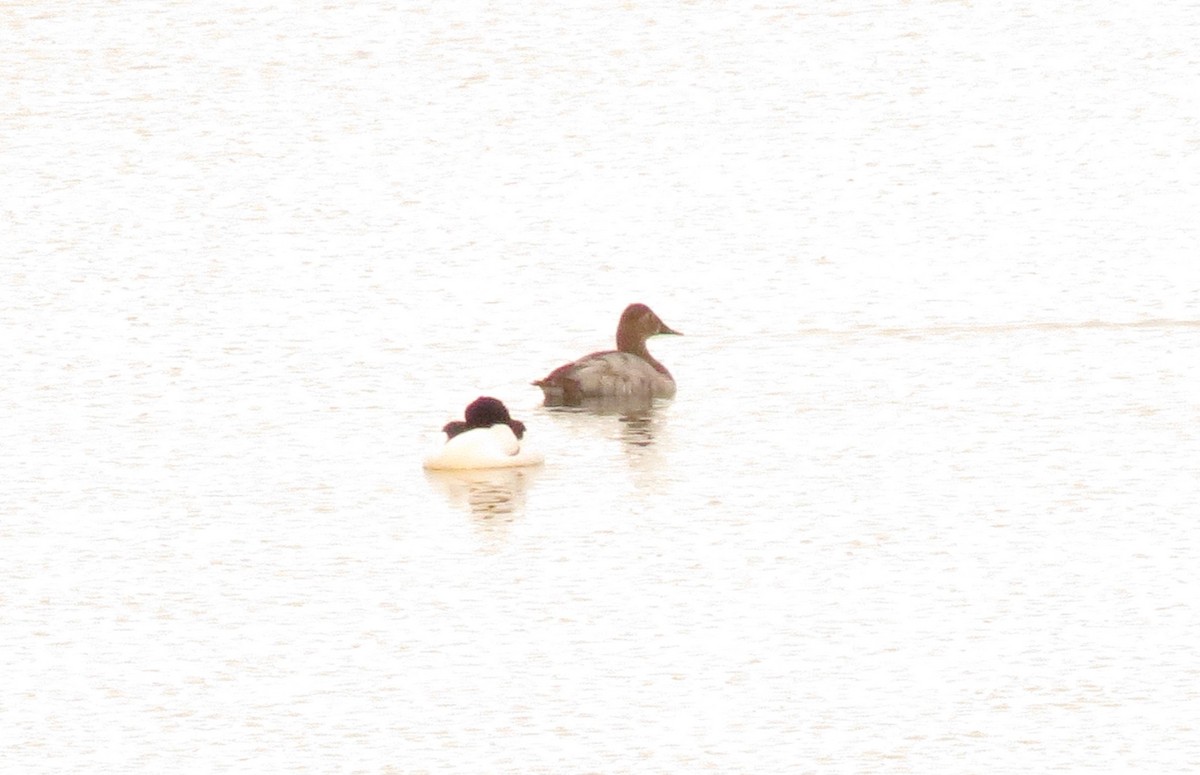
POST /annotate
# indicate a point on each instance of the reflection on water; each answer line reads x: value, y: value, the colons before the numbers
x: 637, y: 429
x: 488, y: 493
x: 607, y: 405
x: 637, y: 418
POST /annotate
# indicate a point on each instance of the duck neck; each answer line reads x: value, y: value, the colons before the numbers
x: 637, y: 346
x: 629, y: 342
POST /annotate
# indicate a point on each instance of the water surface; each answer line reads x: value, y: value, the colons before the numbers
x: 925, y: 501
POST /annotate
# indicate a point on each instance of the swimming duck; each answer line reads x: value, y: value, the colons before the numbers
x: 626, y: 372
x: 488, y: 438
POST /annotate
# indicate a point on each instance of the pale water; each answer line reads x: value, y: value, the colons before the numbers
x: 926, y: 500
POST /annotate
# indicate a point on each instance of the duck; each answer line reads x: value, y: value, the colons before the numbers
x: 628, y: 372
x: 488, y: 437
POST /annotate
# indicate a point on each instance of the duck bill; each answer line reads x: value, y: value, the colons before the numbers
x: 668, y: 330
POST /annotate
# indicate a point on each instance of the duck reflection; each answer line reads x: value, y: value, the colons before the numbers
x: 491, y: 493
x: 637, y: 419
x: 637, y: 428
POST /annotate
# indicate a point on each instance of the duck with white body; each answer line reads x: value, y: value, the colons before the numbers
x: 488, y: 438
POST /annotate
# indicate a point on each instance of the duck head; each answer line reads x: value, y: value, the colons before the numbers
x: 484, y: 412
x: 639, y: 323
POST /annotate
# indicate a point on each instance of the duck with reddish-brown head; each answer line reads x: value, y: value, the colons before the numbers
x: 628, y: 372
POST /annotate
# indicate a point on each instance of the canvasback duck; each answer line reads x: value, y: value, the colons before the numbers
x: 626, y: 372
x: 488, y: 438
